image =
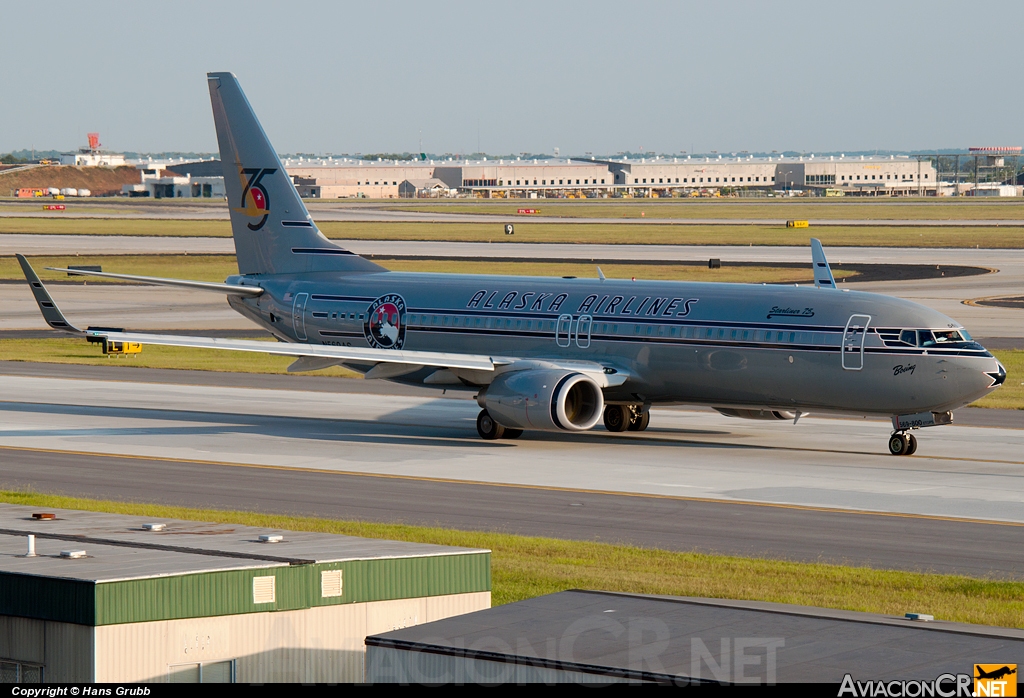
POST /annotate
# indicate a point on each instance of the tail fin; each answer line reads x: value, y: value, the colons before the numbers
x: 274, y: 234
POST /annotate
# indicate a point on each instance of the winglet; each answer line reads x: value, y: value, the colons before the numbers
x: 51, y: 313
x: 822, y: 273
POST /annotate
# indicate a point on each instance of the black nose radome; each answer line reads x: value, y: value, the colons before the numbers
x: 998, y: 377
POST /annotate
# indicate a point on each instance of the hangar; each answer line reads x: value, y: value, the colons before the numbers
x: 603, y: 637
x: 95, y: 597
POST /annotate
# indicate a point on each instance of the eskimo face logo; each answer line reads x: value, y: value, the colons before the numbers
x: 255, y: 201
x: 385, y: 322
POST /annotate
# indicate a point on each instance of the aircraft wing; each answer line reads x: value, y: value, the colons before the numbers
x: 388, y: 363
x: 343, y: 354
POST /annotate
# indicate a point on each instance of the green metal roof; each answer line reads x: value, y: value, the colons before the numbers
x: 193, y: 569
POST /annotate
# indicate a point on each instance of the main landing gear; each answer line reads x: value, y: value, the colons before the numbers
x: 626, y: 417
x: 902, y: 444
x: 491, y: 430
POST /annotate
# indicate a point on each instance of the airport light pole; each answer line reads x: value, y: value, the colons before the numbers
x: 786, y: 174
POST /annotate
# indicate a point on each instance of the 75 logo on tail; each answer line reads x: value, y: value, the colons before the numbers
x: 255, y: 201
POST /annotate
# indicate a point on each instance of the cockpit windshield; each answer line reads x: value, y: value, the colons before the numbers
x: 939, y: 338
x: 934, y: 338
x: 947, y: 336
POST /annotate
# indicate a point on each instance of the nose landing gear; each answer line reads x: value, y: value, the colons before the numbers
x: 902, y: 444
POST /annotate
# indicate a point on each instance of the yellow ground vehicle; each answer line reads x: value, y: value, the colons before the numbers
x: 121, y: 348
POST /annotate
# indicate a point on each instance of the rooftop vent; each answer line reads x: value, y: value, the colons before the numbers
x: 41, y: 516
x: 72, y: 554
x: 274, y: 538
x: 153, y: 526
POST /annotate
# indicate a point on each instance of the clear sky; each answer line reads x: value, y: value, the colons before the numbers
x: 524, y: 76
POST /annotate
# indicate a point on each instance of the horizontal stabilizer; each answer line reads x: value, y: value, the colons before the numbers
x: 229, y: 289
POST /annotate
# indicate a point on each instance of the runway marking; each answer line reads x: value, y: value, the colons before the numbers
x: 545, y: 488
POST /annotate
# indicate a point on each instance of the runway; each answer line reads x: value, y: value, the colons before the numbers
x: 695, y: 481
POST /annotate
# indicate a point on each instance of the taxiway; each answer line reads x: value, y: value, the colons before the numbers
x: 821, y: 490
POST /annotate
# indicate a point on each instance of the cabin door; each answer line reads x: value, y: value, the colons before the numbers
x: 299, y: 315
x: 583, y: 326
x: 563, y: 330
x: 853, y: 342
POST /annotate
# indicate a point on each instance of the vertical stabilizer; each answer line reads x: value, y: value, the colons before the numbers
x: 274, y: 234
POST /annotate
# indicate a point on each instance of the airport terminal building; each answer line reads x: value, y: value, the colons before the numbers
x: 589, y: 178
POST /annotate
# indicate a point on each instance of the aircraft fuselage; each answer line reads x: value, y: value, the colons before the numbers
x: 724, y: 345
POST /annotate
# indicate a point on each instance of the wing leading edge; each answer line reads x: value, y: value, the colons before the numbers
x: 55, y: 319
x: 387, y: 363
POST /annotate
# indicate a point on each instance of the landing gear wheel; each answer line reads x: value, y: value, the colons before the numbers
x: 512, y: 433
x: 640, y: 421
x: 617, y: 417
x: 912, y: 446
x: 487, y: 427
x: 899, y: 444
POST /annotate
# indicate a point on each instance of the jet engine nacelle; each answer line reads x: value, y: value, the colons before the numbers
x: 759, y: 414
x: 544, y: 399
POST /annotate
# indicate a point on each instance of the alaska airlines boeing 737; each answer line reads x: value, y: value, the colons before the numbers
x: 560, y: 354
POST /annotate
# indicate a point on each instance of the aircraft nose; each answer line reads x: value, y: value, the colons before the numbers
x: 998, y: 376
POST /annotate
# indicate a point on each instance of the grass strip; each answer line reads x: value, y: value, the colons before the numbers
x: 1010, y: 396
x: 195, y: 267
x: 574, y: 232
x: 525, y: 567
x: 79, y: 351
x: 847, y: 209
x: 116, y: 226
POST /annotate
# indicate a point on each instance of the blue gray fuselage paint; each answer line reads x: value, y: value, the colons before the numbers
x: 728, y: 345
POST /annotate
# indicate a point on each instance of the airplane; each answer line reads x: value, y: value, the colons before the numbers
x: 995, y: 673
x: 564, y: 354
